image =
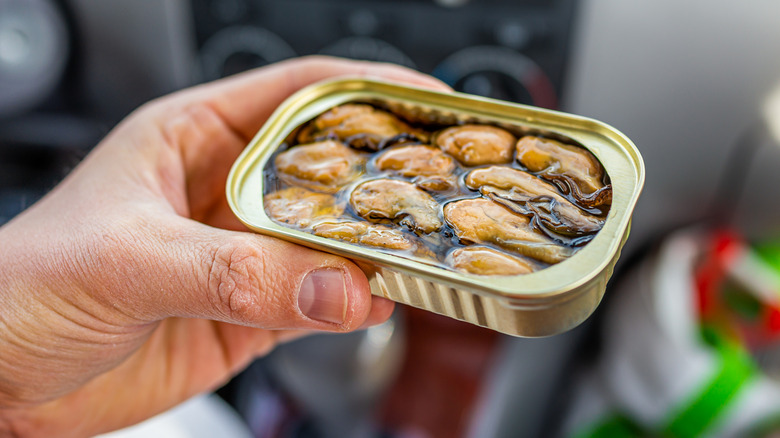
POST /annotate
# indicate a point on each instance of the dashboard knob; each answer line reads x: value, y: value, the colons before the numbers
x: 498, y: 72
x: 363, y: 22
x: 238, y: 48
x: 368, y: 49
x: 34, y: 48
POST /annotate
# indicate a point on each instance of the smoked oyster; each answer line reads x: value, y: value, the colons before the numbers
x: 366, y: 233
x: 301, y: 207
x: 482, y: 260
x: 399, y: 201
x: 374, y: 235
x: 572, y: 168
x: 361, y: 126
x: 428, y: 167
x: 325, y: 166
x: 483, y: 221
x: 530, y: 196
x: 476, y: 145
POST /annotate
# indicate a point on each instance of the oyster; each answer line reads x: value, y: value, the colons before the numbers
x: 361, y: 126
x: 481, y: 260
x: 366, y: 233
x: 475, y: 145
x: 397, y: 201
x: 301, y: 207
x: 485, y: 222
x: 325, y: 166
x: 573, y: 168
x: 531, y: 196
x: 427, y: 166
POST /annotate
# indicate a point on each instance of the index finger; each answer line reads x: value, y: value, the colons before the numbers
x: 245, y: 101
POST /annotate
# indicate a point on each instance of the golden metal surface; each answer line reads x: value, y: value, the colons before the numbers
x: 543, y: 303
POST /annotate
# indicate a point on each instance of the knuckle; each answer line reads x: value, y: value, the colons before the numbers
x: 178, y: 125
x: 190, y: 122
x: 234, y: 282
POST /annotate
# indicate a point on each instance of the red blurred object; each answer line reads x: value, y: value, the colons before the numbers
x: 723, y: 269
x: 445, y: 365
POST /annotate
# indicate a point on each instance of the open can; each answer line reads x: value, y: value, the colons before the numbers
x: 542, y: 303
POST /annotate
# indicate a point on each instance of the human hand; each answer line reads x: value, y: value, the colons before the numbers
x: 131, y: 286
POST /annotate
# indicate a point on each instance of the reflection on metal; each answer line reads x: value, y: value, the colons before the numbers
x: 376, y: 356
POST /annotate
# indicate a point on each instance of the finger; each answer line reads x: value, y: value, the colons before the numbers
x: 283, y: 336
x: 243, y: 278
x: 245, y: 101
x: 381, y: 310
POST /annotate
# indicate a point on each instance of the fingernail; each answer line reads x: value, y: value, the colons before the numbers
x: 323, y: 296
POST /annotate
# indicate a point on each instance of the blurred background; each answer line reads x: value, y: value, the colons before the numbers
x: 686, y: 81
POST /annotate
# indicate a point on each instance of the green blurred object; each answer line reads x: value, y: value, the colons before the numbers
x: 769, y: 251
x: 743, y: 303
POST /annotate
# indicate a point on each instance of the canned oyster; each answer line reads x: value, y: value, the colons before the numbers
x: 502, y: 215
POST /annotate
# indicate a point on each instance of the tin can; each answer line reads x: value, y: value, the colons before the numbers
x: 542, y: 303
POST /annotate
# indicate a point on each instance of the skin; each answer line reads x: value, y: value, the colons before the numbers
x: 131, y: 287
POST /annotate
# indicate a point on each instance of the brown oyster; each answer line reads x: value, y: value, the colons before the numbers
x: 475, y: 145
x: 365, y: 233
x: 301, y: 207
x: 531, y: 196
x: 361, y: 126
x: 325, y: 166
x: 485, y: 222
x: 396, y: 201
x: 573, y: 168
x: 428, y: 167
x: 481, y: 260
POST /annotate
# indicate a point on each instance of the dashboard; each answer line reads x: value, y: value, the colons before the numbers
x: 504, y: 49
x: 71, y: 69
x: 662, y: 72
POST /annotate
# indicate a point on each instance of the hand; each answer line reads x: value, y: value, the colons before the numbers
x: 131, y: 286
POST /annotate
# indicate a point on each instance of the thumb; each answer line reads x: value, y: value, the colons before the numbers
x: 250, y: 279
